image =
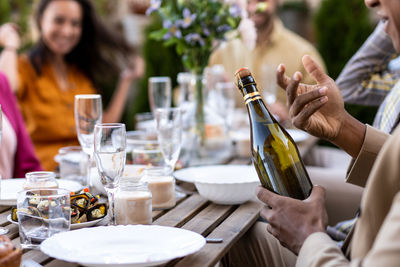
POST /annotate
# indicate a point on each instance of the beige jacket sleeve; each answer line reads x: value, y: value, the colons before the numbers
x: 361, y: 166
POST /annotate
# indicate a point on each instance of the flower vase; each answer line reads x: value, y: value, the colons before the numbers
x: 212, y: 144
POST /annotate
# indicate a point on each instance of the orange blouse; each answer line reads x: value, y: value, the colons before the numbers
x: 49, y: 111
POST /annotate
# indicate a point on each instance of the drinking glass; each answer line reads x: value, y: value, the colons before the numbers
x: 3, y: 230
x: 169, y: 134
x: 41, y: 214
x: 88, y: 113
x: 109, y: 152
x: 159, y: 92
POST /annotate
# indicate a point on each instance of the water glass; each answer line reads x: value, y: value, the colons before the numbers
x: 41, y: 214
x: 169, y: 133
x: 73, y: 164
x: 110, y: 155
x: 160, y: 92
x: 88, y: 113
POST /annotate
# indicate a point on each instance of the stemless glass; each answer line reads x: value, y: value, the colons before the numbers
x: 159, y: 92
x: 169, y: 134
x: 3, y: 230
x: 109, y: 152
x: 88, y: 113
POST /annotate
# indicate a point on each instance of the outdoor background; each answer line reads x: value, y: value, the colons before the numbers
x: 336, y: 27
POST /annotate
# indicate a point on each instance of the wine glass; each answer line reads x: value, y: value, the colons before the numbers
x: 3, y: 230
x: 159, y: 92
x: 109, y: 152
x: 169, y: 134
x: 88, y: 112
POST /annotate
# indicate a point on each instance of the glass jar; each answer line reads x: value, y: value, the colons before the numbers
x: 40, y: 179
x: 133, y: 204
x: 161, y: 184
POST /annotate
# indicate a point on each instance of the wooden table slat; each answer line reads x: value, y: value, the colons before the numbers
x: 230, y: 230
x: 183, y: 212
x: 209, y: 218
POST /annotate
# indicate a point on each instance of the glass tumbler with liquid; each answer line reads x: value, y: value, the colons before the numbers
x: 274, y: 153
x: 133, y: 204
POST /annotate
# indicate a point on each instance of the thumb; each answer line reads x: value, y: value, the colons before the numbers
x: 314, y: 69
x: 317, y: 194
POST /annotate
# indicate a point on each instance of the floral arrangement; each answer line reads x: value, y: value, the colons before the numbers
x: 197, y: 27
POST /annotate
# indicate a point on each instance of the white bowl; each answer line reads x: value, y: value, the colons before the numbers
x: 226, y: 184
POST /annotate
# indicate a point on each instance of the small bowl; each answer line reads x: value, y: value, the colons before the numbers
x: 227, y: 184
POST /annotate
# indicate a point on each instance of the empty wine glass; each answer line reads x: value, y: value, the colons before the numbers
x: 169, y: 134
x: 109, y: 152
x: 3, y: 230
x: 159, y: 92
x: 88, y: 113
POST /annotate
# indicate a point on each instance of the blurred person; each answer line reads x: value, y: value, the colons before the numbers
x: 275, y: 44
x: 17, y: 155
x: 75, y: 53
x: 300, y: 226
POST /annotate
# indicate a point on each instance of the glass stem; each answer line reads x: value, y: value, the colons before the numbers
x: 88, y: 176
x: 111, y: 203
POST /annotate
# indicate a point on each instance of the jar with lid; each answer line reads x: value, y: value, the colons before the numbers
x: 161, y: 184
x: 40, y: 179
x: 133, y: 204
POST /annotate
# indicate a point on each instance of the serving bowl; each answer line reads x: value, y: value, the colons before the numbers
x: 226, y: 184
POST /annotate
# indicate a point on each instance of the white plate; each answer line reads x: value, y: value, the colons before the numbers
x: 223, y: 172
x: 298, y: 135
x: 131, y: 245
x: 73, y: 226
x: 10, y: 188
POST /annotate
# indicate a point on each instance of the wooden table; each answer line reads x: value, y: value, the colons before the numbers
x: 192, y: 212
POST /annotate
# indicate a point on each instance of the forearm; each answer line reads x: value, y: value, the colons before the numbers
x: 351, y: 136
x: 117, y: 104
x: 366, y: 79
x: 9, y: 66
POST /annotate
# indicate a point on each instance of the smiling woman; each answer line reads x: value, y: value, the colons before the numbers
x: 75, y: 53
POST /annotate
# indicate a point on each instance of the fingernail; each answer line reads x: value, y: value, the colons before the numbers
x: 323, y: 99
x: 297, y: 77
x: 280, y: 68
x: 323, y: 90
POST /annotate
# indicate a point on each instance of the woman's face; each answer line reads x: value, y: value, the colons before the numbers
x: 61, y: 26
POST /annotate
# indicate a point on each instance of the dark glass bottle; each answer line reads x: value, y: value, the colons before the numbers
x: 274, y: 153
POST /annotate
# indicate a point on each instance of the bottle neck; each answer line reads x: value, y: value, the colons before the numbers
x: 253, y: 100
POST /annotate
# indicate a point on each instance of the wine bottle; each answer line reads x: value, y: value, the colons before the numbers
x: 274, y: 153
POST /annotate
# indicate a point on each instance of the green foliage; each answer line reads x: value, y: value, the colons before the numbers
x: 160, y: 61
x: 193, y: 27
x: 341, y: 27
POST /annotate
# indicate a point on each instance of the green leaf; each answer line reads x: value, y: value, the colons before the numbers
x: 158, y: 35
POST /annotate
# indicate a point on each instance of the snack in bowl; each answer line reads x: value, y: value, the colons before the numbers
x: 10, y: 256
x: 84, y: 207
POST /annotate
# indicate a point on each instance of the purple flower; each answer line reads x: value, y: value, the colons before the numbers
x: 188, y: 18
x: 193, y: 38
x: 235, y: 10
x: 206, y: 31
x: 173, y: 29
x: 154, y: 6
x: 223, y: 28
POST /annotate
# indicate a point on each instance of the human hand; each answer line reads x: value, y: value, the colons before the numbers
x: 9, y: 37
x: 134, y: 70
x: 290, y: 220
x: 317, y: 109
